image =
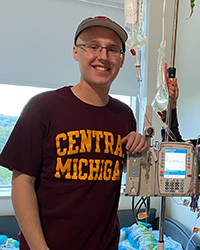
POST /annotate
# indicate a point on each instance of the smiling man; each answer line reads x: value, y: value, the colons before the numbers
x: 68, y: 147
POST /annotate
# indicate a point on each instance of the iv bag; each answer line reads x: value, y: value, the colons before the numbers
x: 136, y: 38
x: 134, y: 15
x: 160, y: 101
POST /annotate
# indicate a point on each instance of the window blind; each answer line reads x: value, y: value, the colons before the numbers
x: 37, y: 40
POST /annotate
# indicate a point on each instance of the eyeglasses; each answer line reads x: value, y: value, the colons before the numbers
x: 95, y: 49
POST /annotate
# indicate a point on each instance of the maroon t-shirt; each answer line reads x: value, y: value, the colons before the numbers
x: 74, y: 150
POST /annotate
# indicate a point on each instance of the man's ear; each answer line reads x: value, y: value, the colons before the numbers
x: 123, y: 59
x: 75, y: 53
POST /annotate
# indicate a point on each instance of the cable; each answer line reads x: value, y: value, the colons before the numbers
x: 146, y: 116
x: 189, y: 241
x: 167, y: 129
x: 142, y: 201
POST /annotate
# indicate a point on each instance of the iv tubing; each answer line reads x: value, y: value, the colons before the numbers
x: 163, y: 22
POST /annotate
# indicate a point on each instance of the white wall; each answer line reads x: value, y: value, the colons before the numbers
x: 188, y: 67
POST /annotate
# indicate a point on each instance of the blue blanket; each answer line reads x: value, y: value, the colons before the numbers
x: 139, y: 237
x: 8, y: 243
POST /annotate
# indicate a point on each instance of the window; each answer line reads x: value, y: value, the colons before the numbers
x: 12, y: 100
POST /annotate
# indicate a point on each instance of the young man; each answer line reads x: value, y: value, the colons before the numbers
x: 67, y: 151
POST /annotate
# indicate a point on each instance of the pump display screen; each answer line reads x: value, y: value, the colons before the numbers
x: 175, y: 163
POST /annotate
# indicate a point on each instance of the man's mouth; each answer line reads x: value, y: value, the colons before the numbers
x: 101, y: 68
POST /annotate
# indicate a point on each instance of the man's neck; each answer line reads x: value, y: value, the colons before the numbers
x: 97, y: 97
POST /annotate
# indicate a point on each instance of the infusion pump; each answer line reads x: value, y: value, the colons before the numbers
x: 168, y: 169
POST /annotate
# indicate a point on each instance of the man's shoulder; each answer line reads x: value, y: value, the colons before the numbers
x: 119, y: 104
x: 48, y: 96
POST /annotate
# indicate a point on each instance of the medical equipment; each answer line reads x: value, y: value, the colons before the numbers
x: 164, y: 169
x: 170, y: 169
x: 160, y: 102
x: 134, y: 17
x: 149, y: 173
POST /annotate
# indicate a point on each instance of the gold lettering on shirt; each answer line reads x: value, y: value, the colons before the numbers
x: 97, y: 169
x: 70, y: 144
x: 109, y: 142
x: 116, y: 172
x: 86, y: 141
x: 63, y: 169
x: 97, y: 135
x: 59, y: 138
x: 118, y: 149
x: 73, y: 149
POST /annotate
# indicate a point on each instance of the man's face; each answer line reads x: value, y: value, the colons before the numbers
x: 98, y: 70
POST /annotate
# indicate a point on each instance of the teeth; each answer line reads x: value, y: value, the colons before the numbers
x: 101, y: 68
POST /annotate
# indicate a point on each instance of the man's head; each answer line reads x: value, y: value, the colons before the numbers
x: 99, y: 47
x: 102, y: 21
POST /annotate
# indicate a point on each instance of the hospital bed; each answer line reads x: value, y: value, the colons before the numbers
x: 173, y: 228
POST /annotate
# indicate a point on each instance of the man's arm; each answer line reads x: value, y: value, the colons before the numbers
x: 26, y: 208
x: 174, y: 93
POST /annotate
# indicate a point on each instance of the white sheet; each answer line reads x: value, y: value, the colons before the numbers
x: 168, y: 241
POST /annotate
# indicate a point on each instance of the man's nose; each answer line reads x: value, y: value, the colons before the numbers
x: 103, y: 52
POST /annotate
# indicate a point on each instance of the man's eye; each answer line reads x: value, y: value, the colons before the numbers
x: 94, y: 46
x: 113, y: 49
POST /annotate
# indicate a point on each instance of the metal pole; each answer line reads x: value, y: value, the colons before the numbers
x: 173, y: 55
x: 172, y: 69
x: 171, y: 74
x: 162, y: 220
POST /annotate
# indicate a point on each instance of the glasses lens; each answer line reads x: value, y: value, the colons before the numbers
x: 114, y: 52
x: 92, y: 47
x: 95, y: 49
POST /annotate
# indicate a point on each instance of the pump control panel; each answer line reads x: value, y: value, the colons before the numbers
x: 177, y: 170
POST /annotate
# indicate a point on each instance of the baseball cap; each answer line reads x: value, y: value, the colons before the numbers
x: 102, y: 21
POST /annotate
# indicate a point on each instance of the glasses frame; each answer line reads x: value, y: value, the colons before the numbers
x: 99, y: 49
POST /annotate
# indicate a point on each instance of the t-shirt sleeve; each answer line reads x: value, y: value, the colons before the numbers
x: 133, y: 124
x: 23, y: 150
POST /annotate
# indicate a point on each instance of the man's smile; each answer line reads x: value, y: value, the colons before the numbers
x: 101, y: 68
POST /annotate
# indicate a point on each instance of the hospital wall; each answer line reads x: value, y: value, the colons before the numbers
x: 188, y: 67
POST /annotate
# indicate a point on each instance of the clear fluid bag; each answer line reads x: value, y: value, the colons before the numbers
x: 161, y: 99
x: 134, y: 16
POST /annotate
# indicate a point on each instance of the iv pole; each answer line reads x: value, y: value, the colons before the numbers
x: 171, y: 74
